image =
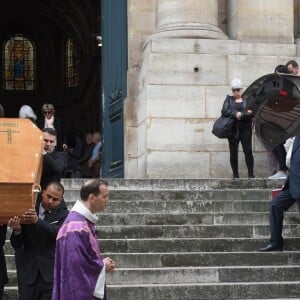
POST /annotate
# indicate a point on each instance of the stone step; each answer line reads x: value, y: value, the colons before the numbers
x: 201, y: 291
x: 207, y: 291
x: 180, y: 275
x: 190, y: 275
x: 181, y: 184
x: 179, y: 245
x: 179, y: 206
x: 10, y: 293
x: 164, y: 195
x: 110, y: 219
x: 192, y: 231
x: 192, y: 218
x: 185, y: 245
x: 196, y: 259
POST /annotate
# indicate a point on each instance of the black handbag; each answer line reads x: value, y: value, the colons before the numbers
x: 223, y: 127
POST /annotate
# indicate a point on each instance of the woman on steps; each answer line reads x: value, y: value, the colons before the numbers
x: 236, y: 107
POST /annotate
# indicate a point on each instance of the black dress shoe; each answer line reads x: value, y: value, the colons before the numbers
x: 270, y: 248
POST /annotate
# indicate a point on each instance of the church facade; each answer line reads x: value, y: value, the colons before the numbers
x: 182, y: 56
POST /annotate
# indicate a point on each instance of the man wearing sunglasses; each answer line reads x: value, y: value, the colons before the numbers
x: 50, y: 120
x: 34, y: 243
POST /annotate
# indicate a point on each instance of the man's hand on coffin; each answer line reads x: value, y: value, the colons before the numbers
x: 31, y: 216
x: 15, y: 224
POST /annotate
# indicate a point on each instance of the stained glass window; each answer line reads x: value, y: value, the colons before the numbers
x: 72, y: 65
x: 19, y: 64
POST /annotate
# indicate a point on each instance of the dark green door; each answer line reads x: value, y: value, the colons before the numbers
x: 114, y: 70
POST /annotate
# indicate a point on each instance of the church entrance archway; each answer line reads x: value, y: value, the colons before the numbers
x: 51, y: 52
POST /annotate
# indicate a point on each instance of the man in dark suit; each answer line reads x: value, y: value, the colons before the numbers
x: 53, y: 161
x: 35, y: 243
x: 289, y: 195
x: 3, y: 271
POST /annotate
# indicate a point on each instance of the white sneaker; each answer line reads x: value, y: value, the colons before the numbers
x: 278, y: 175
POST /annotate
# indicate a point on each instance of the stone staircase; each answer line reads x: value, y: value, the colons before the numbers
x: 192, y: 239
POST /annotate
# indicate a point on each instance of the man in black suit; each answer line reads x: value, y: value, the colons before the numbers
x: 3, y: 271
x: 34, y: 243
x: 53, y: 161
x: 289, y: 195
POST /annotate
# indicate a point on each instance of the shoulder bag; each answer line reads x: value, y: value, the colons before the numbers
x: 223, y: 127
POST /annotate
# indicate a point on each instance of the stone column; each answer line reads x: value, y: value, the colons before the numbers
x: 297, y: 20
x: 270, y: 21
x: 188, y: 19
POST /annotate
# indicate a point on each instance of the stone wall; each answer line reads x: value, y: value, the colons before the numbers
x: 180, y: 67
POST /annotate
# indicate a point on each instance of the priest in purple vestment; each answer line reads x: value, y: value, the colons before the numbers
x: 79, y: 272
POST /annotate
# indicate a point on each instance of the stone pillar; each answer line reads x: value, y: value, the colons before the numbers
x: 297, y: 21
x: 188, y: 19
x: 267, y: 21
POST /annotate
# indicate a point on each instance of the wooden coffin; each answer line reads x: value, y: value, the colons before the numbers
x: 21, y: 145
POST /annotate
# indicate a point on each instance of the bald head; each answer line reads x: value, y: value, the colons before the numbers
x: 91, y: 186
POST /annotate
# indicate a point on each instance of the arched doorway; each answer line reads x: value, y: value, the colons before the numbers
x: 66, y: 65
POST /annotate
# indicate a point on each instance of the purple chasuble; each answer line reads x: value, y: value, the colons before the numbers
x: 78, y: 261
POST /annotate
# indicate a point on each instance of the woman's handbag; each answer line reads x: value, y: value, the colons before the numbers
x: 223, y: 127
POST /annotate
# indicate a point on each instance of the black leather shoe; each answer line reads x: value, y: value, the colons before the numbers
x: 270, y: 248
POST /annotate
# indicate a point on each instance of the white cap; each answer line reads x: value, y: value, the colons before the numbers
x: 236, y: 84
x: 27, y: 112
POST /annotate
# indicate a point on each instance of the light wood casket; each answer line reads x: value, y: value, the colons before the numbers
x: 21, y: 145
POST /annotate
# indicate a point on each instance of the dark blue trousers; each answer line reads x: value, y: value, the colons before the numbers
x: 278, y: 206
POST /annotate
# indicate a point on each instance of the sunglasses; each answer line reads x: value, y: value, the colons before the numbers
x: 49, y: 112
x: 236, y: 90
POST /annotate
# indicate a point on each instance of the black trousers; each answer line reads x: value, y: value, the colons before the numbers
x: 278, y: 206
x: 244, y: 135
x: 39, y: 290
x: 280, y: 154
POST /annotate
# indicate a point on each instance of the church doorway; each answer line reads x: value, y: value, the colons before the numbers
x: 52, y: 52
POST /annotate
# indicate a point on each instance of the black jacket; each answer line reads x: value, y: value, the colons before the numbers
x: 293, y: 181
x: 53, y: 166
x: 35, y: 246
x: 229, y: 110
